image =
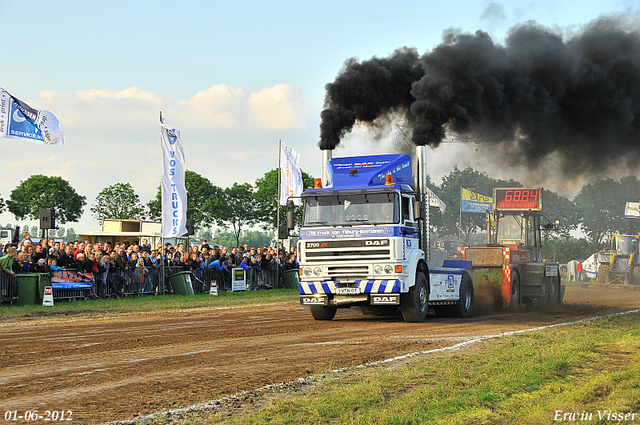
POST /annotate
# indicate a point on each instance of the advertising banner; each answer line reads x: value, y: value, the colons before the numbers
x: 632, y: 210
x: 474, y: 202
x: 18, y: 120
x: 290, y: 175
x: 174, y: 194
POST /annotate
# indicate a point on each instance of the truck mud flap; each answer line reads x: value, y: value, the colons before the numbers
x: 384, y: 299
x: 314, y: 300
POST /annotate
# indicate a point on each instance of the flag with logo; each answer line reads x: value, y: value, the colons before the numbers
x: 474, y: 202
x: 174, y: 193
x: 19, y: 120
x: 434, y: 201
x: 290, y: 175
x: 632, y: 210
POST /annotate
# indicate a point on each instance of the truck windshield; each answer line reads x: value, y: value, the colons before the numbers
x: 510, y: 230
x: 341, y: 210
x: 626, y: 245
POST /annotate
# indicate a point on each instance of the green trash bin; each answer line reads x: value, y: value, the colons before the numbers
x: 28, y: 288
x: 181, y: 283
x: 44, y: 280
x: 290, y: 279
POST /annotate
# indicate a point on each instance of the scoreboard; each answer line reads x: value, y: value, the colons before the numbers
x: 517, y: 198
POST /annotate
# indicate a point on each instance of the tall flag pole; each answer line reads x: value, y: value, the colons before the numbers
x: 19, y: 120
x: 174, y: 193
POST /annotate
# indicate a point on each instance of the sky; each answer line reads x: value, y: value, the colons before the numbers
x: 233, y: 77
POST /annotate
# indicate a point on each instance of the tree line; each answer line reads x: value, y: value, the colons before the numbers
x: 597, y: 210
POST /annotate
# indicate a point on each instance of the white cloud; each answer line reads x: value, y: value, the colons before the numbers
x: 112, y: 136
x: 280, y: 107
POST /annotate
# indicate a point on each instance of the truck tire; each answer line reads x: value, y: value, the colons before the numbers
x: 320, y: 312
x: 415, y: 303
x: 464, y: 307
x: 553, y: 289
x: 514, y: 302
x: 635, y: 275
x: 603, y: 273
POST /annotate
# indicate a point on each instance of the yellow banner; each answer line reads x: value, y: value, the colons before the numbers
x: 468, y: 195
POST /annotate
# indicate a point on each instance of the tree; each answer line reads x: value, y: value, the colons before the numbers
x: 602, y: 204
x: 237, y: 208
x: 71, y: 235
x: 202, y: 200
x: 39, y: 192
x: 2, y: 205
x: 564, y: 249
x: 267, y: 198
x: 118, y: 201
x: 205, y: 235
x: 561, y: 208
x: 450, y: 192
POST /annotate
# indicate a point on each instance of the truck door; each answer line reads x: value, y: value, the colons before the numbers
x: 409, y: 226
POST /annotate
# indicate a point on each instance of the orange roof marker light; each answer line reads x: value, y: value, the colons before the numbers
x: 388, y: 179
x: 317, y: 183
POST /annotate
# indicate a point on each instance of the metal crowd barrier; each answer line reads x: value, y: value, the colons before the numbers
x: 8, y: 288
x: 142, y: 281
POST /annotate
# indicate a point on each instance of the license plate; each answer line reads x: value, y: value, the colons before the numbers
x: 347, y: 291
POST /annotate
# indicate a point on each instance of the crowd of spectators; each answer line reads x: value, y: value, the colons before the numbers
x: 115, y: 265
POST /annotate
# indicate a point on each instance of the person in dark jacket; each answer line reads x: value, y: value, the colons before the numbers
x: 66, y: 260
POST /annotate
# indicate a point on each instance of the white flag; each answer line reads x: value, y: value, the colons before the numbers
x: 290, y: 175
x: 434, y: 201
x: 174, y: 194
x: 18, y: 120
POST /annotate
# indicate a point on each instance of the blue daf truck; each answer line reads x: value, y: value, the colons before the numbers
x: 364, y: 242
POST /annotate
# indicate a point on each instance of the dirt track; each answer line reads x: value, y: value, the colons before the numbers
x: 105, y: 369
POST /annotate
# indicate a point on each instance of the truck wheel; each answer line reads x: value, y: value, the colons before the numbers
x: 415, y: 303
x: 553, y: 289
x: 320, y: 312
x: 514, y: 302
x: 635, y: 278
x: 603, y: 272
x: 464, y: 306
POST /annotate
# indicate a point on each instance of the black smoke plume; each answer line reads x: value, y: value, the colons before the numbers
x: 537, y: 96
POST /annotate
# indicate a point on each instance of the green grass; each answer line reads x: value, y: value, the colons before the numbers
x: 14, y: 313
x: 524, y: 378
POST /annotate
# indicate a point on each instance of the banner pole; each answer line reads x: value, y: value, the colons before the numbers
x: 460, y: 219
x: 161, y: 282
x: 277, y: 284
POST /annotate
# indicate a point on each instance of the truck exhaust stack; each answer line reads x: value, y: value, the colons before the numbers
x: 327, y: 154
x: 423, y: 195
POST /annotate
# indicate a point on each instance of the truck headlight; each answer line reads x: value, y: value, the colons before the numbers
x: 388, y: 269
x: 307, y: 271
x: 378, y: 269
x: 317, y: 271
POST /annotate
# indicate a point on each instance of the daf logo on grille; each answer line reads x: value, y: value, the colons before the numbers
x: 382, y: 242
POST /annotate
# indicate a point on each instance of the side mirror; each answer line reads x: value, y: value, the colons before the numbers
x: 417, y: 210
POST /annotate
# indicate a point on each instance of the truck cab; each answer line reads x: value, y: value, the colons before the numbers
x: 360, y: 245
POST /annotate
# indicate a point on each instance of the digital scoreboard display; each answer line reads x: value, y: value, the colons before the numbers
x: 518, y: 198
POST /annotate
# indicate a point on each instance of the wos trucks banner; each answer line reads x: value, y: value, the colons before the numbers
x: 18, y: 120
x: 174, y: 194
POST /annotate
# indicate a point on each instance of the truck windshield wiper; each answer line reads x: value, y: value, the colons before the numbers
x: 357, y: 220
x: 316, y: 222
